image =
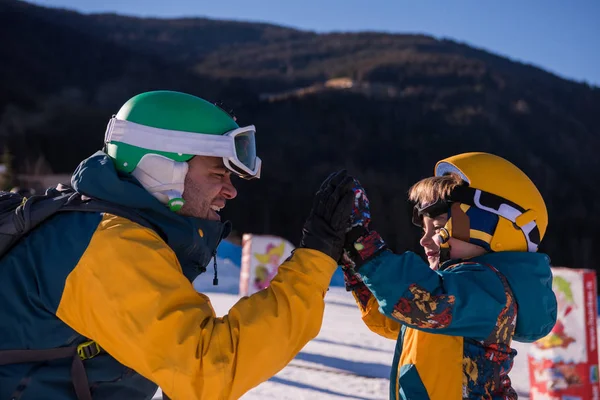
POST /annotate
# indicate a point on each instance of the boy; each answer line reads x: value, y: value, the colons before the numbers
x: 485, y: 284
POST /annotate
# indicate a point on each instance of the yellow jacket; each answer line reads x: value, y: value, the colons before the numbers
x: 128, y: 293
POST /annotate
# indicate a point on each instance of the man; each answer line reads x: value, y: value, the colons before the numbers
x: 119, y: 289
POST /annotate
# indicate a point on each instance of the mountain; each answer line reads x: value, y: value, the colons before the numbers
x: 384, y: 106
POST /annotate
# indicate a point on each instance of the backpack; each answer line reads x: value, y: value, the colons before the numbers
x: 19, y: 215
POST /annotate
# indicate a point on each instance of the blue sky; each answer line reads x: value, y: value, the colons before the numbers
x: 561, y: 36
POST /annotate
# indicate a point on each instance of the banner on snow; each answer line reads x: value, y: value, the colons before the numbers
x: 261, y: 257
x: 564, y: 364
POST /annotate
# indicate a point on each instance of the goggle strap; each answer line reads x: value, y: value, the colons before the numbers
x: 499, y: 206
x: 179, y: 142
x: 469, y: 195
x: 170, y: 141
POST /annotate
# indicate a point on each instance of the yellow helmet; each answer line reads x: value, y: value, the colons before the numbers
x: 504, y: 209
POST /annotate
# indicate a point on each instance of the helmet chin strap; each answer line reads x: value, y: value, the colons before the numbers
x: 460, y: 230
x: 444, y: 254
x: 444, y: 246
x: 163, y: 178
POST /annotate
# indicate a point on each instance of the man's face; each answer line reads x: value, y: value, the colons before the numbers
x: 207, y: 187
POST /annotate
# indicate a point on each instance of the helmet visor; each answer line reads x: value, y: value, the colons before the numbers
x: 245, y: 163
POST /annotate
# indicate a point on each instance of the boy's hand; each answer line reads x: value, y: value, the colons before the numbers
x: 361, y: 211
x: 361, y: 243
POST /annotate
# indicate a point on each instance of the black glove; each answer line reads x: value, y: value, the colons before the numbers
x: 329, y: 219
x: 361, y: 243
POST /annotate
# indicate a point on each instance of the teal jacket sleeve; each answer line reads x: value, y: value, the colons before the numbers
x: 463, y: 301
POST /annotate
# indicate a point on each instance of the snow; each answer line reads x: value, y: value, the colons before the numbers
x: 345, y: 361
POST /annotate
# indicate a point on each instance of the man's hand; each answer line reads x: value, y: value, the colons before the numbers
x: 329, y: 219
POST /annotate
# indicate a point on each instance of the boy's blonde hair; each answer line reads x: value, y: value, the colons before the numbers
x: 430, y: 190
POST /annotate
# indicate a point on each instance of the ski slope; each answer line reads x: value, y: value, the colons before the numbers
x: 345, y: 361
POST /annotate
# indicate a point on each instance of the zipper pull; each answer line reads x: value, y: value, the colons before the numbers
x: 215, y: 278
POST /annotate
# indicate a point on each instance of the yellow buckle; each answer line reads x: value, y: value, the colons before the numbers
x: 88, y: 350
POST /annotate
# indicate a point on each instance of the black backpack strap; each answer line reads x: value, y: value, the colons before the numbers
x: 78, y: 375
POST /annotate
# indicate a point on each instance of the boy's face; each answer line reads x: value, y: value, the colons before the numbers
x: 431, y: 242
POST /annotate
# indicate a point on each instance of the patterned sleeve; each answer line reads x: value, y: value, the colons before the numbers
x: 369, y: 310
x: 465, y: 300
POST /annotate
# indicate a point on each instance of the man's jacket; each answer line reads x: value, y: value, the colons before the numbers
x: 84, y: 276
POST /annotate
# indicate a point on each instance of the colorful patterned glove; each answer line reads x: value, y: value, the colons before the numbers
x: 361, y: 210
x: 361, y: 244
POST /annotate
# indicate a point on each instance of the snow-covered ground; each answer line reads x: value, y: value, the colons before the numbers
x: 345, y: 361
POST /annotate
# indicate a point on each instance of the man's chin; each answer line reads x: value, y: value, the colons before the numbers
x: 213, y: 216
x: 209, y: 215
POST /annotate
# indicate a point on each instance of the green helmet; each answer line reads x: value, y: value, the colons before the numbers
x: 164, y: 125
x: 176, y: 112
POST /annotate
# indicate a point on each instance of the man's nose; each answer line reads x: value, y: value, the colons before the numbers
x: 229, y: 191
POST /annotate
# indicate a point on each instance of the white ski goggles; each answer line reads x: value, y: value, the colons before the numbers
x: 237, y: 148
